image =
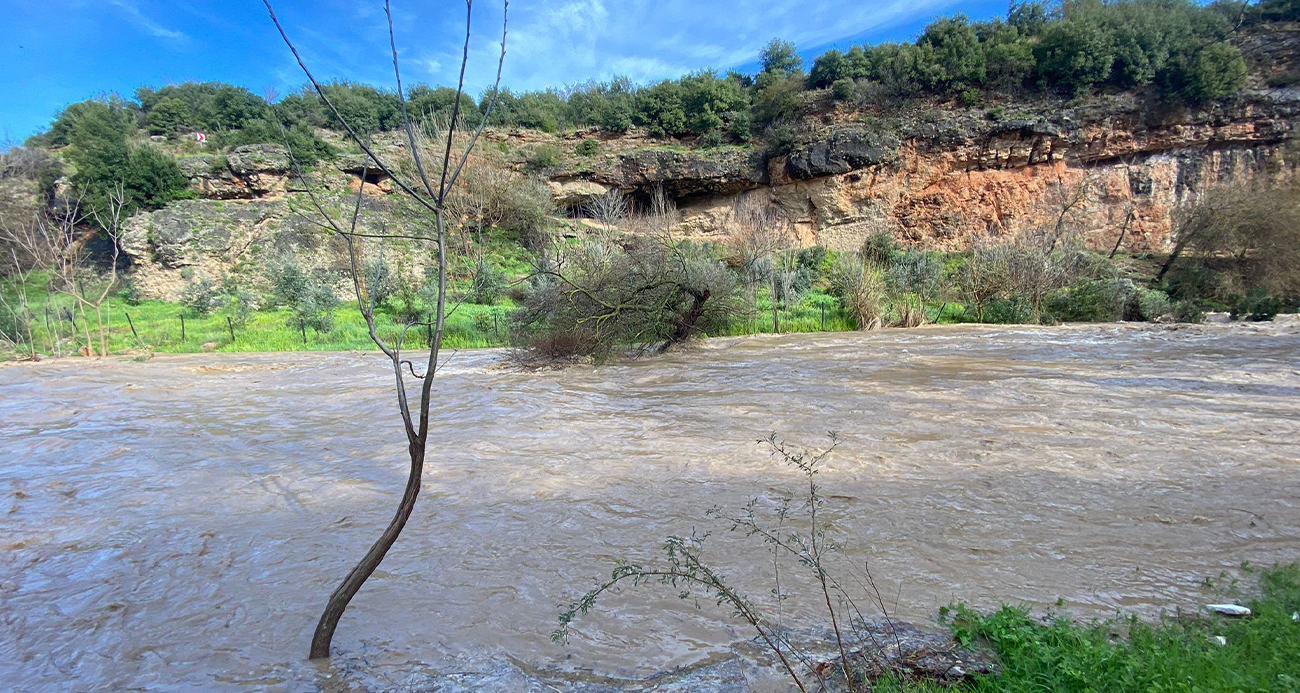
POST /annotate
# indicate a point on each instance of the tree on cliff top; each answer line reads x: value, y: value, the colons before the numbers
x: 780, y: 57
x: 436, y: 168
x: 105, y: 160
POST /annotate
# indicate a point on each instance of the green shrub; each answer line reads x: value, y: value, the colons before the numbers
x: 239, y: 302
x: 540, y: 156
x: 289, y: 282
x: 951, y: 57
x: 489, y: 283
x: 306, y: 147
x: 380, y: 281
x: 1149, y: 305
x: 780, y: 57
x: 129, y: 291
x: 778, y: 100
x: 1256, y: 306
x: 781, y: 139
x: 915, y: 272
x: 315, y: 309
x: 14, y: 326
x: 739, y: 126
x: 588, y: 146
x: 844, y: 89
x: 880, y: 248
x: 793, y: 283
x: 814, y: 258
x: 1074, y: 55
x: 710, y: 139
x: 1188, y: 311
x: 169, y: 117
x: 1215, y: 71
x: 104, y: 159
x: 1008, y: 311
x: 861, y: 289
x: 201, y: 296
x: 1091, y: 300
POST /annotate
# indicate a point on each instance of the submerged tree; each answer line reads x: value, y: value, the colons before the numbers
x: 435, y: 172
x: 639, y: 291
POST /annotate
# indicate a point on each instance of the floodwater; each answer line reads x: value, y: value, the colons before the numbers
x: 176, y: 525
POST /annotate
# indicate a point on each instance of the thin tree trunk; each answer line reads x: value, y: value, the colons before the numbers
x: 1128, y: 219
x: 1173, y: 256
x: 343, y: 594
x: 103, y: 338
x: 85, y: 327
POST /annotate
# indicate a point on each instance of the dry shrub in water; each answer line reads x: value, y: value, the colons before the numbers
x: 595, y: 297
x: 1238, y: 239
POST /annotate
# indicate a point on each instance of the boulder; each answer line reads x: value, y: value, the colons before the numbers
x: 842, y: 152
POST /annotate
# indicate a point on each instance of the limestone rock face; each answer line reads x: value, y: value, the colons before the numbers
x: 679, y: 172
x: 575, y: 192
x: 841, y: 152
x: 247, y: 172
x: 942, y: 177
x: 946, y: 178
x: 190, y: 240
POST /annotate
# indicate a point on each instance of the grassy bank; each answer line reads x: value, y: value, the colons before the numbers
x: 1179, y: 653
x: 58, y: 327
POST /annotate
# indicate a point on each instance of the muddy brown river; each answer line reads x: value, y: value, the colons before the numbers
x: 176, y: 525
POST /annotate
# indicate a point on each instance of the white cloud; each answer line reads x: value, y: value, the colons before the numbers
x: 140, y: 19
x: 554, y: 43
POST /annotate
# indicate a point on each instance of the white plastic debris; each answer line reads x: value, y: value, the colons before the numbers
x: 1235, y: 610
x: 1219, y: 640
x: 1295, y: 616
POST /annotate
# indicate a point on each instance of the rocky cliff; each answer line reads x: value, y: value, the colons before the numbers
x: 938, y: 177
x: 948, y: 177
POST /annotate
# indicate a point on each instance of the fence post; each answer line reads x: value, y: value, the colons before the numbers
x: 182, y: 316
x: 132, y: 324
x: 231, y: 325
x: 823, y: 317
x: 302, y: 325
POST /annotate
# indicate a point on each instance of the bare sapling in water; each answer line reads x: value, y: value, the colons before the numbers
x: 426, y: 184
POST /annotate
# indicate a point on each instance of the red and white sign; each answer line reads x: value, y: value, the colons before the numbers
x: 200, y: 137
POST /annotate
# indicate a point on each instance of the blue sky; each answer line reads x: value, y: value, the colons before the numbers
x: 56, y: 52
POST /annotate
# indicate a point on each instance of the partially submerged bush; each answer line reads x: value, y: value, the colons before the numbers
x: 1236, y: 240
x: 596, y: 297
x: 1256, y: 306
x: 1090, y: 300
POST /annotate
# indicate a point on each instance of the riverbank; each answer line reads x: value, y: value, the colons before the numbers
x: 1039, y: 653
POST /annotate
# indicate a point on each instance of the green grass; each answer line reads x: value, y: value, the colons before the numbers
x: 158, y: 327
x: 158, y: 324
x: 1176, y: 654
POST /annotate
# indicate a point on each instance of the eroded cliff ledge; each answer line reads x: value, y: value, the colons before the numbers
x: 948, y: 177
x: 934, y: 177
